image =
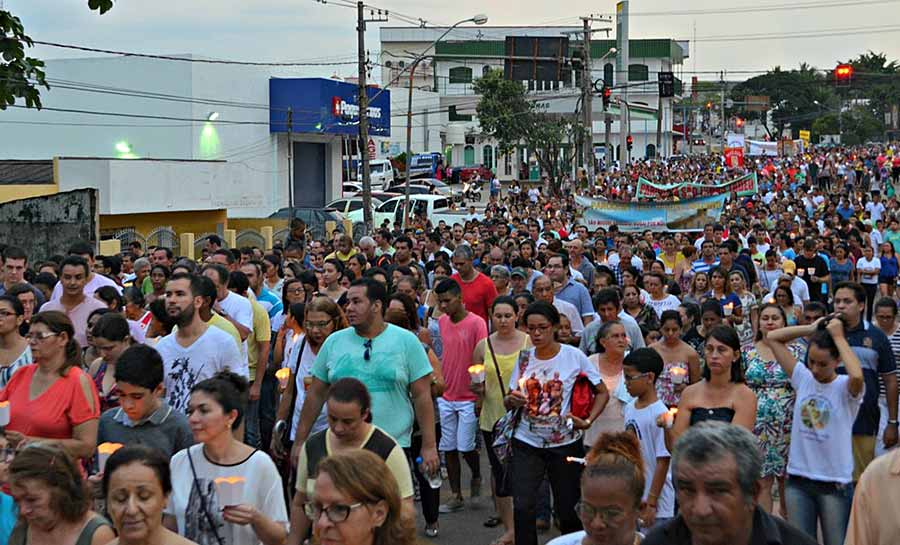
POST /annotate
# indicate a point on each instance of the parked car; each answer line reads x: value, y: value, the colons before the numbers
x: 434, y: 186
x: 314, y: 218
x: 381, y: 173
x: 352, y: 209
x: 435, y: 207
x: 350, y: 188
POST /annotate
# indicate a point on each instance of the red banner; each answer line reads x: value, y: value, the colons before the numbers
x: 734, y: 157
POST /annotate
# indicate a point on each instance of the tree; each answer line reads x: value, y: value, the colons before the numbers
x: 506, y: 113
x: 875, y: 85
x: 22, y: 76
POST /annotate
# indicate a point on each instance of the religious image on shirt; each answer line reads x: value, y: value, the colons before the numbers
x: 181, y: 380
x: 544, y: 409
x: 815, y: 412
x: 202, y: 509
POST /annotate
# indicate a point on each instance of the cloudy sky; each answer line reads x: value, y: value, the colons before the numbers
x: 292, y: 30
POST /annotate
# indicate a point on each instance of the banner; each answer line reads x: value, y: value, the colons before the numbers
x: 761, y: 147
x: 687, y: 215
x: 743, y: 186
x: 734, y: 157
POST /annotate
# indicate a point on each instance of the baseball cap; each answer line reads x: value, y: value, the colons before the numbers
x: 518, y: 271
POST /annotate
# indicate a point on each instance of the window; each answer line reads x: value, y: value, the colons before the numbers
x: 487, y: 157
x: 638, y: 72
x: 608, y: 71
x: 469, y: 155
x: 454, y: 116
x: 650, y: 152
x: 461, y: 74
x: 440, y: 204
x: 402, y: 64
x: 485, y: 71
x: 389, y: 206
x: 355, y: 205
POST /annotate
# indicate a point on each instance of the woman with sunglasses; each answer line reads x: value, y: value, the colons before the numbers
x: 15, y: 351
x: 196, y: 509
x: 53, y: 400
x: 356, y: 501
x: 612, y: 486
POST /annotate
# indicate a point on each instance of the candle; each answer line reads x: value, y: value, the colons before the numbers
x: 476, y: 372
x: 307, y: 382
x: 283, y: 375
x: 574, y: 460
x: 104, y: 451
x: 727, y: 308
x: 669, y: 417
x: 230, y: 490
x: 4, y: 413
x: 678, y: 375
x: 522, y: 384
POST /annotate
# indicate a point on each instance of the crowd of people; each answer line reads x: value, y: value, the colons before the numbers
x: 733, y: 386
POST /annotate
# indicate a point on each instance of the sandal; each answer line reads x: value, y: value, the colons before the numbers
x: 492, y: 522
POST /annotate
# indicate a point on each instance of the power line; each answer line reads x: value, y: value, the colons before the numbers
x: 186, y: 59
x: 757, y: 8
x: 824, y: 33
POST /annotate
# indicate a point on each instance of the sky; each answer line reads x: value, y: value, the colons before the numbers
x: 300, y: 30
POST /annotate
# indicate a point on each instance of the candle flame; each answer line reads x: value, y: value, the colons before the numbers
x: 473, y: 369
x: 673, y: 411
x: 283, y: 373
x: 108, y: 448
x: 678, y: 371
x: 4, y: 404
x: 229, y: 480
x: 522, y: 383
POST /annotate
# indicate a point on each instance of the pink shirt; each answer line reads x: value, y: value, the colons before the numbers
x: 459, y: 341
x: 78, y: 315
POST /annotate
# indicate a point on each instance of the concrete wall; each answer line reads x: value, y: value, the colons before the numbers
x: 44, y: 226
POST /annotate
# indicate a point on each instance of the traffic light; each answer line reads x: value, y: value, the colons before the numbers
x: 629, y: 142
x: 843, y: 73
x: 607, y: 96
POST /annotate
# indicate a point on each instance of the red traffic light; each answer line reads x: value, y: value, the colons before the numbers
x: 607, y: 92
x: 843, y: 71
x: 629, y: 140
x: 739, y: 122
x: 709, y: 105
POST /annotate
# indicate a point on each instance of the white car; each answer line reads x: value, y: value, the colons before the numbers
x: 381, y: 173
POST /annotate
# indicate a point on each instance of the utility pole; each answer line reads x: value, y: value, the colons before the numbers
x: 587, y: 106
x: 723, y: 111
x: 363, y: 146
x: 290, y: 169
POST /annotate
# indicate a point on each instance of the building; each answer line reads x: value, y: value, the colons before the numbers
x: 466, y: 53
x: 156, y: 135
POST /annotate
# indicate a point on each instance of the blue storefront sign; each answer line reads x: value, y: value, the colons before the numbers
x: 325, y: 106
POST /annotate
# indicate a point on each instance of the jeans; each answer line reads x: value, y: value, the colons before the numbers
x: 251, y: 420
x: 431, y: 497
x: 530, y: 464
x: 809, y: 502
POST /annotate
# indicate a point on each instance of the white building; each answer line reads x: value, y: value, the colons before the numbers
x: 467, y: 52
x: 209, y: 136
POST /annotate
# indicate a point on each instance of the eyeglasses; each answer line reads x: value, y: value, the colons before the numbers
x: 296, y: 291
x: 335, y: 513
x: 587, y: 513
x: 7, y: 454
x: 635, y: 377
x: 367, y: 355
x: 30, y: 337
x: 318, y: 325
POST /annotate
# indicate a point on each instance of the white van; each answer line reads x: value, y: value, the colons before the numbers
x: 381, y: 172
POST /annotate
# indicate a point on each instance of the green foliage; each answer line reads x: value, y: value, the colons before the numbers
x: 22, y: 76
x: 505, y: 113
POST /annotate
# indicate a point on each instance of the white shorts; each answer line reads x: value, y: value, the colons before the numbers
x: 459, y: 425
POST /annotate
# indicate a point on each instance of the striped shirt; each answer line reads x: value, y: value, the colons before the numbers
x: 895, y: 348
x: 702, y: 266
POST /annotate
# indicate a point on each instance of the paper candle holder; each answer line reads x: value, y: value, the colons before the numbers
x: 4, y: 413
x: 104, y: 451
x: 230, y: 490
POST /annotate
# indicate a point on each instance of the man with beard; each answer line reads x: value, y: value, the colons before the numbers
x: 195, y: 351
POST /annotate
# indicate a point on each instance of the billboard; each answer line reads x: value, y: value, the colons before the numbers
x: 325, y: 106
x: 536, y: 58
x: 687, y: 215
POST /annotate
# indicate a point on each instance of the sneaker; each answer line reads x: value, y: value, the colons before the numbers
x: 452, y: 506
x: 475, y: 488
x: 431, y: 531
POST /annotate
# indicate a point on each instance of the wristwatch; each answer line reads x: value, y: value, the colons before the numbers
x: 892, y: 422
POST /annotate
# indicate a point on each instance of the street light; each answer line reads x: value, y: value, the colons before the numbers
x: 479, y: 19
x: 212, y: 116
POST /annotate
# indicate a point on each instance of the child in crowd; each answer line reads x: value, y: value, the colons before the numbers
x: 641, y: 368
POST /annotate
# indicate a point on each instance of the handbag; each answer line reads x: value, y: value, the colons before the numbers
x: 583, y: 394
x: 504, y: 430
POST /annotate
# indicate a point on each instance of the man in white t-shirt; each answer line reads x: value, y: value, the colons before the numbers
x: 196, y: 351
x: 231, y: 306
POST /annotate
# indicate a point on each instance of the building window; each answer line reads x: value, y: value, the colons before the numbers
x: 608, y: 71
x: 485, y: 71
x: 454, y: 116
x: 507, y: 164
x: 402, y: 64
x: 487, y: 157
x: 650, y: 153
x: 461, y: 74
x: 638, y: 72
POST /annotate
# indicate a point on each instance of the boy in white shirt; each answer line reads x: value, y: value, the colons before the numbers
x: 641, y: 368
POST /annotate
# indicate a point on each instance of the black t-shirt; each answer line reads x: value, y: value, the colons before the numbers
x: 809, y: 267
x: 766, y: 529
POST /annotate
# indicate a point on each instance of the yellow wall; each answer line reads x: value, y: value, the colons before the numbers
x: 242, y: 224
x: 25, y: 191
x: 197, y: 222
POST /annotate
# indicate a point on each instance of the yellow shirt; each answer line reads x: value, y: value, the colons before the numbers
x: 262, y: 333
x: 492, y: 408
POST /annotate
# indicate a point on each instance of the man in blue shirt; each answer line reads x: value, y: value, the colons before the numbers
x: 571, y: 291
x: 873, y: 349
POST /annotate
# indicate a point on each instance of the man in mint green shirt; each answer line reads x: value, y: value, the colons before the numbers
x: 389, y: 360
x: 892, y: 235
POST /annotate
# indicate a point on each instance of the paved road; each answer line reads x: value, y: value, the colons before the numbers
x: 466, y: 527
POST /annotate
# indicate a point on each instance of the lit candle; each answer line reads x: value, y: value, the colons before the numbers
x: 678, y: 375
x: 522, y: 384
x: 669, y: 417
x: 4, y: 413
x: 230, y: 490
x: 574, y: 460
x: 104, y: 451
x: 727, y: 308
x: 476, y: 372
x: 283, y: 375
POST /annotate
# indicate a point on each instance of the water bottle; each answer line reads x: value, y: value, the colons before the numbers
x: 434, y: 479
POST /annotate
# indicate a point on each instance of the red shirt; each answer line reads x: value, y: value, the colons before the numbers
x: 478, y: 295
x: 54, y: 413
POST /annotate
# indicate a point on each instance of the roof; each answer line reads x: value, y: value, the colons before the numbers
x: 26, y: 172
x: 637, y: 48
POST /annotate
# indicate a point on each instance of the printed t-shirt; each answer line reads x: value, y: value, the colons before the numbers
x: 653, y: 445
